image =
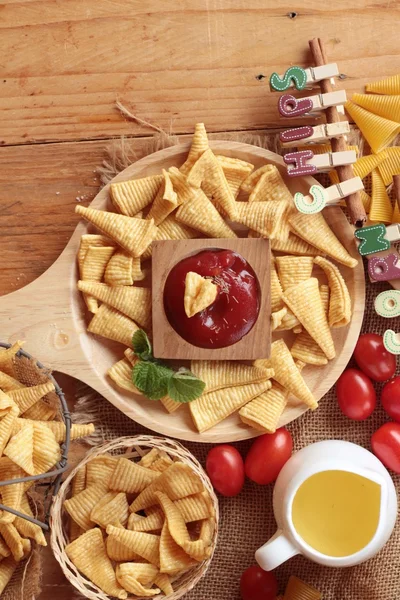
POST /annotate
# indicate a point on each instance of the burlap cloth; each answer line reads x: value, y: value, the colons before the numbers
x: 247, y: 521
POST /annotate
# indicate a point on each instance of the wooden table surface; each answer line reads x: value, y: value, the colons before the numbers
x: 64, y: 63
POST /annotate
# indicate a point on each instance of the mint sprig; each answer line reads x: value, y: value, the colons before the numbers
x: 156, y: 380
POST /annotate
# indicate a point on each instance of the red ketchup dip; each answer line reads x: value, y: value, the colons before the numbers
x: 235, y: 309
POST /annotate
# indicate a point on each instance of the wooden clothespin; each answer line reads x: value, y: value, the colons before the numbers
x: 305, y: 162
x: 377, y: 238
x: 320, y: 197
x: 319, y: 133
x: 299, y: 77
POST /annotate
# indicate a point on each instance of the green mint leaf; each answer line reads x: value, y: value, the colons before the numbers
x: 183, y: 386
x: 151, y: 379
x: 141, y: 345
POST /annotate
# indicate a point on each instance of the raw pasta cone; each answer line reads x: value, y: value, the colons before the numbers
x: 315, y: 230
x: 112, y: 324
x: 378, y: 132
x: 340, y: 301
x: 200, y: 213
x: 381, y: 208
x: 293, y: 270
x: 88, y: 553
x: 199, y: 145
x: 171, y: 229
x: 165, y: 202
x: 147, y: 545
x: 390, y: 85
x: 235, y: 171
x: 134, y: 302
x: 121, y: 374
x: 218, y: 374
x: 264, y: 217
x: 305, y: 302
x: 366, y: 200
x: 287, y: 373
x: 366, y: 164
x: 212, y: 408
x: 294, y: 245
x: 129, y: 197
x: 299, y: 590
x: 134, y: 235
x: 123, y: 269
x: 384, y: 106
x: 93, y: 267
x: 208, y: 174
x: 390, y: 165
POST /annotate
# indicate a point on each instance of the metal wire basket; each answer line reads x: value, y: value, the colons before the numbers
x: 56, y: 474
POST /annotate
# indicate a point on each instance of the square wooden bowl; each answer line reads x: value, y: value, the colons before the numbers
x: 167, y: 343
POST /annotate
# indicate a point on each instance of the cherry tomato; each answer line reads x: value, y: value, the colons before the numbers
x: 267, y: 456
x: 390, y: 398
x: 356, y: 395
x: 225, y: 468
x: 372, y: 357
x: 256, y: 584
x: 386, y: 445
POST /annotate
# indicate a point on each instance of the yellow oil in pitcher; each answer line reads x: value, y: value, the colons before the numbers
x: 337, y: 512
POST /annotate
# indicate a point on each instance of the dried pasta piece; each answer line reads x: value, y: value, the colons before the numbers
x: 110, y: 323
x: 147, y: 545
x: 199, y: 145
x: 212, y: 408
x: 294, y: 245
x: 316, y: 231
x: 207, y: 173
x: 293, y: 270
x: 121, y: 374
x: 127, y: 576
x: 378, y: 132
x: 199, y: 294
x: 287, y: 373
x: 100, y: 469
x: 366, y: 164
x: 340, y: 301
x: 93, y: 268
x: 131, y: 196
x: 7, y: 568
x: 264, y: 217
x: 88, y: 553
x: 390, y: 163
x: 80, y: 506
x: 200, y: 213
x: 305, y: 302
x: 235, y: 171
x: 165, y: 202
x: 134, y: 302
x: 381, y: 207
x: 134, y: 235
x: 299, y: 590
x: 123, y: 269
x: 173, y: 559
x: 26, y: 397
x: 389, y: 85
x: 130, y: 477
x: 219, y: 374
x: 178, y: 481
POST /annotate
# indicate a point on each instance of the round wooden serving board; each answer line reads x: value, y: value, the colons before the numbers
x: 50, y: 314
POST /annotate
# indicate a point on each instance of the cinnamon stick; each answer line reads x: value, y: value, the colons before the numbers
x: 354, y: 203
x: 396, y: 184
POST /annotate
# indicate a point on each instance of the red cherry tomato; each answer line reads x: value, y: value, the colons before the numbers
x: 386, y: 445
x: 372, y: 357
x: 356, y: 395
x: 390, y: 398
x: 225, y: 468
x: 267, y: 456
x: 256, y: 584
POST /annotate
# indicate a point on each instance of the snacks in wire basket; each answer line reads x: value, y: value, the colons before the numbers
x: 141, y: 520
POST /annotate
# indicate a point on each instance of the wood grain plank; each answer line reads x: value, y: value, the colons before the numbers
x: 64, y: 64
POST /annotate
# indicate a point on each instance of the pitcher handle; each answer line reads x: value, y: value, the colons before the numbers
x: 275, y: 552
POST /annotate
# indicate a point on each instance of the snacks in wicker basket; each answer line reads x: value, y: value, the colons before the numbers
x: 195, y: 201
x: 30, y: 438
x: 136, y: 527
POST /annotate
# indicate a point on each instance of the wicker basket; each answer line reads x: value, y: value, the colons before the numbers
x: 134, y: 447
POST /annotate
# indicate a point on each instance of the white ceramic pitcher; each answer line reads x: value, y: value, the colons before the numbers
x: 326, y: 456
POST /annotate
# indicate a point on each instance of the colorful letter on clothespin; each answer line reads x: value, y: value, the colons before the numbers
x: 320, y: 197
x: 384, y: 268
x: 310, y: 134
x: 377, y: 238
x: 306, y: 164
x: 387, y: 304
x: 299, y: 77
x: 289, y: 106
x: 391, y: 341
